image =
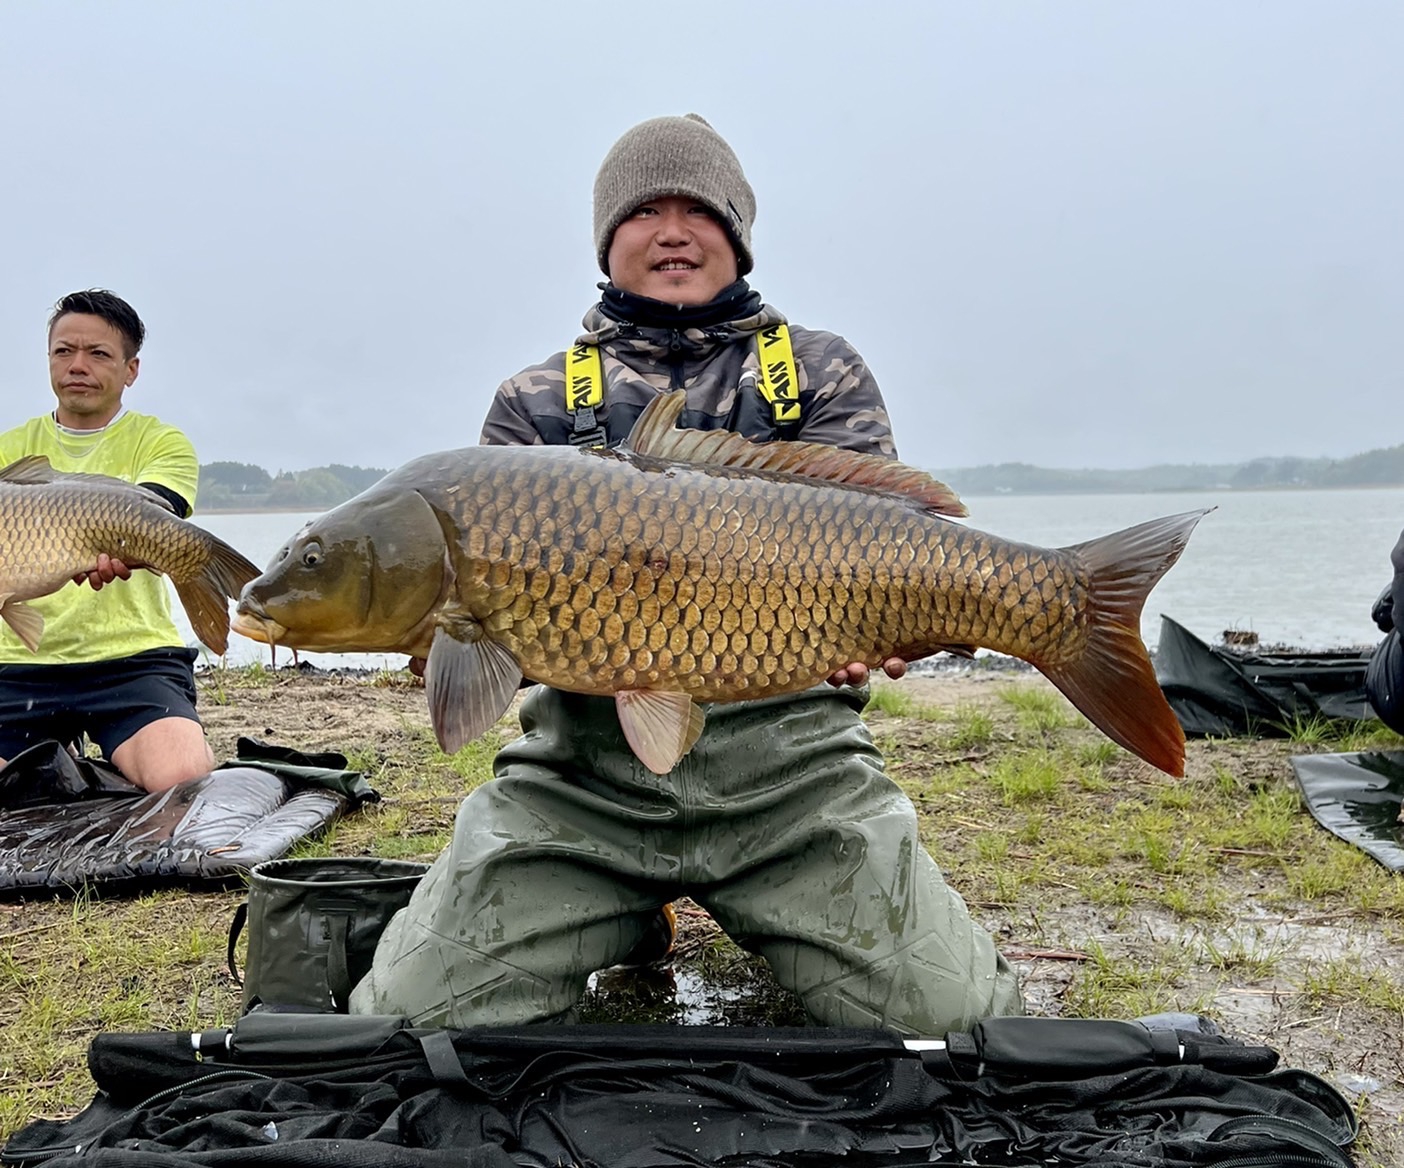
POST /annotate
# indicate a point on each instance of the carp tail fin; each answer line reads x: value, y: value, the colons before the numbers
x: 208, y: 609
x: 206, y: 595
x: 1113, y: 683
x: 229, y: 570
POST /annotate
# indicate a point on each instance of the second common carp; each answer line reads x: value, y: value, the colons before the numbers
x: 691, y: 566
x: 54, y: 525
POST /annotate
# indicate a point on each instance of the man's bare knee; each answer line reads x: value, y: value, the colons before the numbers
x: 164, y: 754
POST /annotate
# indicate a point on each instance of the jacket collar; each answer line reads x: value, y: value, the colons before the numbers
x: 736, y: 314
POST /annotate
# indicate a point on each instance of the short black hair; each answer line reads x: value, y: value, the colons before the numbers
x: 112, y: 308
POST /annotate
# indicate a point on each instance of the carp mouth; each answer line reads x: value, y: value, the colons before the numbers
x: 256, y: 625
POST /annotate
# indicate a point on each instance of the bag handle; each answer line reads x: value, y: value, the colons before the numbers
x: 236, y: 926
x: 338, y: 975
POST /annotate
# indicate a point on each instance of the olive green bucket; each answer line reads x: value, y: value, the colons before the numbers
x: 313, y: 926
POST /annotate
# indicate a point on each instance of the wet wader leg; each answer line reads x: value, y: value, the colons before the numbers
x: 551, y: 875
x: 835, y: 889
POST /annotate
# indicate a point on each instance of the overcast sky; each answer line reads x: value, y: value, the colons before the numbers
x: 1073, y: 234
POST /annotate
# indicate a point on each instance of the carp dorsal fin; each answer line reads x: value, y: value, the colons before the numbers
x: 655, y: 435
x: 30, y: 470
x: 35, y: 470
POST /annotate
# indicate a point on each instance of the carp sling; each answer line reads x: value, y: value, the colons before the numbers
x: 54, y: 525
x: 690, y: 566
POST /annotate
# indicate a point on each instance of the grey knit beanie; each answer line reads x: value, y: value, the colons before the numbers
x: 673, y: 156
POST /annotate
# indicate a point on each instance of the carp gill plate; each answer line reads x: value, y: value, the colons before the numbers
x: 54, y: 525
x: 692, y: 566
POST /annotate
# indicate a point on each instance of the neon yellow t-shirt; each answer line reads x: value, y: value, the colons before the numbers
x: 127, y: 616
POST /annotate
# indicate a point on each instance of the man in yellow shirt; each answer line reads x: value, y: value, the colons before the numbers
x: 112, y: 664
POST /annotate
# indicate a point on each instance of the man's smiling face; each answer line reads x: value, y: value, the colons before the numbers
x: 672, y: 249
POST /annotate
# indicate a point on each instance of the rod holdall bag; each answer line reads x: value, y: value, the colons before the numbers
x: 313, y: 925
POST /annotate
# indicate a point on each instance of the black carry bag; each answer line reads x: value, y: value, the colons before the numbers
x: 313, y: 927
x: 368, y: 1091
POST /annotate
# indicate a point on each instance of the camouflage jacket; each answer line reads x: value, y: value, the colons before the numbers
x: 840, y: 404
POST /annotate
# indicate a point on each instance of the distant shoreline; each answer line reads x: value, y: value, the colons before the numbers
x: 253, y: 510
x: 964, y: 494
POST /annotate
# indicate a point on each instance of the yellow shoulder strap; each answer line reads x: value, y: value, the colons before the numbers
x: 584, y: 376
x: 584, y: 391
x: 779, y: 382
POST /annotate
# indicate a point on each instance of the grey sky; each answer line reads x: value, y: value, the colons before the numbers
x: 1073, y: 234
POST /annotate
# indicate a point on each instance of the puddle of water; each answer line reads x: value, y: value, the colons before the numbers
x: 742, y: 994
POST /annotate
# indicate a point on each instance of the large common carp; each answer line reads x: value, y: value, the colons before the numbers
x: 692, y: 567
x: 54, y: 525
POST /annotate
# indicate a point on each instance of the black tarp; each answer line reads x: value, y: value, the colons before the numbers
x: 1224, y: 691
x: 66, y: 823
x: 1357, y: 796
x: 300, y: 1090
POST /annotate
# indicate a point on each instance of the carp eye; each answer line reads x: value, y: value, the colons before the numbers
x: 311, y: 556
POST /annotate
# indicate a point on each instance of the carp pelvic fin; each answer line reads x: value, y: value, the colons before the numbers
x: 469, y: 684
x: 26, y: 623
x: 655, y: 435
x: 660, y: 727
x: 966, y: 651
x: 1113, y: 683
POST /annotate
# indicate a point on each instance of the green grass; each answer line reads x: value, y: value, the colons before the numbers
x: 890, y: 699
x: 1109, y: 987
x: 1355, y: 980
x: 1040, y: 709
x: 1026, y: 778
x: 972, y: 727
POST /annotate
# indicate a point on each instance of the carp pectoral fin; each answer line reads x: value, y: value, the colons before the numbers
x: 967, y: 651
x: 27, y: 623
x: 660, y: 727
x: 470, y: 685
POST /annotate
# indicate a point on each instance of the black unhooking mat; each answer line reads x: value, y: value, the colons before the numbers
x: 297, y: 1091
x: 66, y: 822
x: 1359, y: 797
x: 1225, y: 692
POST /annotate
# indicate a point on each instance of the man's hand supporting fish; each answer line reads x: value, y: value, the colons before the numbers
x: 692, y: 567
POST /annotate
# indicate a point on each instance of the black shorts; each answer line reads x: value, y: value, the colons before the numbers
x: 109, y: 701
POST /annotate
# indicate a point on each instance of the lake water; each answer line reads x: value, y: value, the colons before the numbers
x: 1298, y: 568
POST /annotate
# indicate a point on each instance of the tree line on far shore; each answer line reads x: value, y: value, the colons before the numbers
x: 240, y: 486
x: 1374, y: 468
